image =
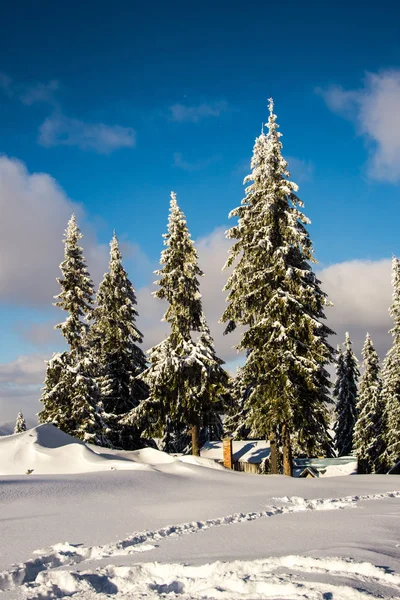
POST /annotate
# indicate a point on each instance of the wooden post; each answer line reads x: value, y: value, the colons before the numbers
x: 274, y: 462
x: 195, y: 440
x: 227, y: 452
x: 287, y: 451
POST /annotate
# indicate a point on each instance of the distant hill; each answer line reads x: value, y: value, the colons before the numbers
x: 7, y: 428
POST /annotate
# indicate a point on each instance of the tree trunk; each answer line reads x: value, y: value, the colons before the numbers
x: 287, y: 451
x: 274, y: 453
x: 195, y: 440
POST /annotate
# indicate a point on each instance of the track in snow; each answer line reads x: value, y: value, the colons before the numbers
x: 287, y: 577
x: 31, y: 572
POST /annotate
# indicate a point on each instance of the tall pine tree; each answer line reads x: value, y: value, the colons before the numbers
x: 275, y: 295
x: 185, y: 377
x: 70, y: 396
x: 391, y: 379
x: 119, y: 359
x: 346, y: 394
x: 367, y: 432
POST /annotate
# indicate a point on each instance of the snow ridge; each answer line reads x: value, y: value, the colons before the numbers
x: 69, y: 554
x: 286, y: 577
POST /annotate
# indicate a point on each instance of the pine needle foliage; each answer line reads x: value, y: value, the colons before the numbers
x: 70, y: 396
x: 185, y: 377
x: 77, y: 289
x: 367, y: 432
x: 115, y: 340
x: 346, y: 394
x: 391, y: 379
x: 274, y: 293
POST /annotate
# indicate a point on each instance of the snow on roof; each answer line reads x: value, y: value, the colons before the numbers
x: 250, y: 451
x: 326, y: 467
x: 308, y: 471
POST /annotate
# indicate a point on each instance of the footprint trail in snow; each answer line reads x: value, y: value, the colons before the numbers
x: 37, y: 577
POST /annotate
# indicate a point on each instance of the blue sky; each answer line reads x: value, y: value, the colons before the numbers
x: 120, y: 103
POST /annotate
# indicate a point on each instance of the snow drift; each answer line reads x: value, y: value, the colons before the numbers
x: 47, y: 450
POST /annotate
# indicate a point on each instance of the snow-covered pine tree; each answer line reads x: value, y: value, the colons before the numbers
x: 77, y: 290
x: 20, y: 424
x: 275, y: 295
x: 185, y: 378
x: 391, y: 380
x: 346, y: 395
x: 119, y: 358
x: 235, y: 423
x: 70, y: 396
x: 367, y: 431
x: 179, y: 283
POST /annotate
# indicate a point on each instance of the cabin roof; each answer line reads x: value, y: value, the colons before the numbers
x: 308, y: 470
x: 326, y: 467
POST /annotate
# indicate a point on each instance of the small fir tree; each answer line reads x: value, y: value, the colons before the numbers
x: 20, y: 424
x: 119, y: 358
x: 391, y: 381
x: 275, y: 295
x: 185, y: 378
x: 367, y: 431
x: 346, y: 394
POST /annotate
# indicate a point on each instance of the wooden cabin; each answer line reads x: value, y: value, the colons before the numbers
x: 248, y: 455
x: 244, y: 455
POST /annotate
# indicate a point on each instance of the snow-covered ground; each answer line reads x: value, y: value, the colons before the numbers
x: 93, y: 525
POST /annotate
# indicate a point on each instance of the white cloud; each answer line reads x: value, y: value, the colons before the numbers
x: 59, y: 130
x: 30, y: 93
x: 375, y: 110
x: 25, y: 370
x: 193, y: 114
x: 34, y: 214
x: 40, y: 92
x: 362, y: 293
x: 196, y: 165
x: 20, y: 384
x: 41, y: 333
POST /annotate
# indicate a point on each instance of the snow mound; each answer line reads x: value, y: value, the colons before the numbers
x: 288, y: 577
x: 48, y: 450
x: 201, y: 462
